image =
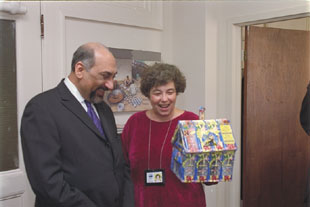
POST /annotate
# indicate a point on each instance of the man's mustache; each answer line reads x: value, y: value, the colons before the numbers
x: 102, y: 88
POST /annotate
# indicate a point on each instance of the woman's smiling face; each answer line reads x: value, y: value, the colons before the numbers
x: 163, y: 99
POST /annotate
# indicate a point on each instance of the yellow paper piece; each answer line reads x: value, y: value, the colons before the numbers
x: 228, y: 139
x: 225, y: 128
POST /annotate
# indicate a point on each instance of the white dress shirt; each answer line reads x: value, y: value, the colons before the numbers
x: 75, y: 92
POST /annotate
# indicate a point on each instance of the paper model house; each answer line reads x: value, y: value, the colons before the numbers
x: 203, y: 151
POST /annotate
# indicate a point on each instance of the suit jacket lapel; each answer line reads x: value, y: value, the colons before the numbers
x: 70, y: 102
x: 108, y: 128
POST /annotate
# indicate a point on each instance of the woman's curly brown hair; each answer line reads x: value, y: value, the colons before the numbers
x: 160, y: 74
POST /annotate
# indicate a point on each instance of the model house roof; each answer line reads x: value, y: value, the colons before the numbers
x: 197, y: 136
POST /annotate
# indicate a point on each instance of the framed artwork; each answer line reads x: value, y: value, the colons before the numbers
x: 126, y: 95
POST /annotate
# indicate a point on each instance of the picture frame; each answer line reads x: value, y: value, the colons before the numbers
x: 126, y: 95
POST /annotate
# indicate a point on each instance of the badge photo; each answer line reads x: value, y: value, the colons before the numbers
x: 154, y: 177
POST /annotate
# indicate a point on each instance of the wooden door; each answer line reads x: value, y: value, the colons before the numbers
x: 275, y: 148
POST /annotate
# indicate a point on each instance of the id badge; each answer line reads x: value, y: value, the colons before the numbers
x: 154, y: 177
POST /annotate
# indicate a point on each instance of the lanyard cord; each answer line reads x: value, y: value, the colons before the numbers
x: 162, y: 147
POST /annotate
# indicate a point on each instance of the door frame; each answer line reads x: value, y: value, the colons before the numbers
x: 15, y: 189
x: 234, y: 57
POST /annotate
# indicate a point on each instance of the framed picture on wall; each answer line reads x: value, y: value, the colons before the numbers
x: 126, y: 95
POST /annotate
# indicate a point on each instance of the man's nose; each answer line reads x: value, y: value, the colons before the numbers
x: 109, y: 84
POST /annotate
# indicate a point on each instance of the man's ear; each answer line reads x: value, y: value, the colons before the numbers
x: 79, y: 69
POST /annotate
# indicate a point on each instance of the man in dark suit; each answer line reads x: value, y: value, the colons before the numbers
x: 71, y: 161
x: 305, y: 112
x: 304, y: 118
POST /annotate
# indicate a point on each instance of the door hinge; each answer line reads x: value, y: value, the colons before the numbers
x: 42, y: 25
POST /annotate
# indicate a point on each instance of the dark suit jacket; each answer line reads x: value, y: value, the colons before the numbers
x: 67, y: 160
x: 305, y: 112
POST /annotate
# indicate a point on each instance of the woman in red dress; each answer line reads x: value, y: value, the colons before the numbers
x: 147, y: 142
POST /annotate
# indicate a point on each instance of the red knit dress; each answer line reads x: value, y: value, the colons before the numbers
x: 135, y: 138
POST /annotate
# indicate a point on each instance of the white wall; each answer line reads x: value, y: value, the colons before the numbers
x: 184, y: 46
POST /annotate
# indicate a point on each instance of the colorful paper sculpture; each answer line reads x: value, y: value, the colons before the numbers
x: 203, y: 151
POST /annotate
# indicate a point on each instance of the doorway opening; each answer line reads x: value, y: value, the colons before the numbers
x: 271, y: 156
